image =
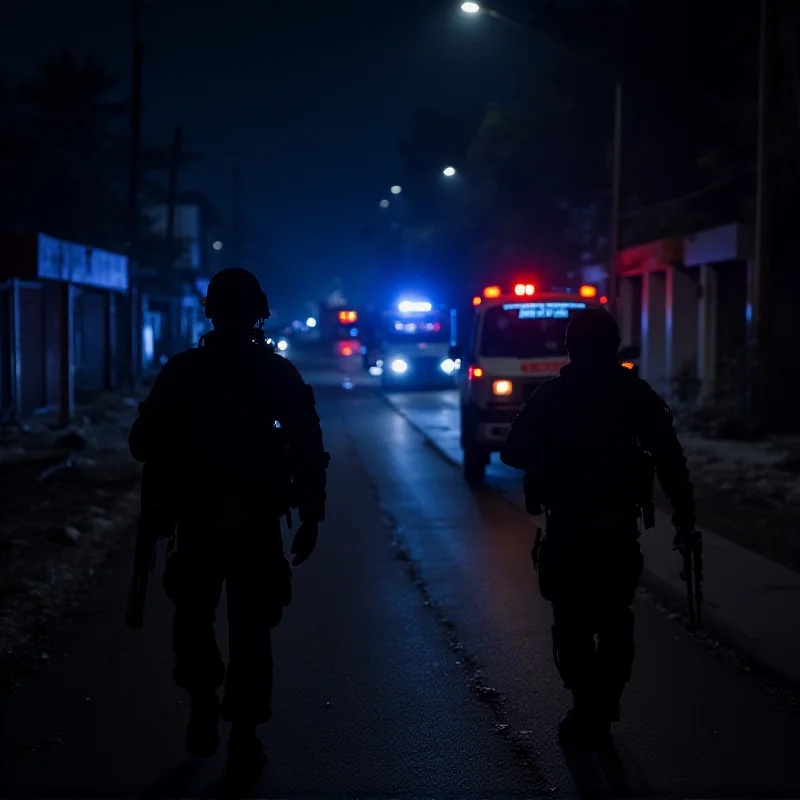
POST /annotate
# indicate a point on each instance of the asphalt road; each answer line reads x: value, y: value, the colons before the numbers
x: 414, y: 661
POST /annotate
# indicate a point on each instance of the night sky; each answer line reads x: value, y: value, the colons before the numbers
x: 311, y: 99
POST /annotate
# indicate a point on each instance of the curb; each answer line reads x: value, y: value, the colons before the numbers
x: 716, y: 632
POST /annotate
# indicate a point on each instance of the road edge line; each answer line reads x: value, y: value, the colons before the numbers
x: 718, y: 633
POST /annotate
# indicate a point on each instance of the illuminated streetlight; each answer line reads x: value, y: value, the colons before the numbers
x: 448, y: 172
x: 470, y: 8
x: 311, y: 322
x: 217, y: 245
x: 396, y: 189
x: 384, y: 204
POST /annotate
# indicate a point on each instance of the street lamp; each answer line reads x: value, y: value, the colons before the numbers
x: 448, y: 172
x: 217, y: 245
x: 474, y: 8
x: 384, y: 204
x: 396, y: 189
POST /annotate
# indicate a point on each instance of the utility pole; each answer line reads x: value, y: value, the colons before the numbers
x: 133, y: 193
x: 172, y: 187
x: 176, y: 297
x: 615, y: 202
x: 758, y: 318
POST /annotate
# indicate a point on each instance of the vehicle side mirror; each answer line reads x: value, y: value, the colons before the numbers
x: 454, y: 352
x: 630, y: 353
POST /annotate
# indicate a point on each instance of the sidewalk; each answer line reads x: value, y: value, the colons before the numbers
x: 751, y: 602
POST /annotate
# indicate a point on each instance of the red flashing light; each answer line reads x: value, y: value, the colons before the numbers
x: 347, y: 317
x: 523, y: 289
x: 492, y: 292
x: 529, y: 289
x: 627, y: 364
x: 476, y: 301
x: 588, y: 291
x: 603, y: 300
x: 474, y: 372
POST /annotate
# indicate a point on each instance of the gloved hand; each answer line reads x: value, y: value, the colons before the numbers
x: 305, y: 540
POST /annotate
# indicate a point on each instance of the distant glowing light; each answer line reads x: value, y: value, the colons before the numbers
x: 491, y: 292
x: 628, y: 364
x: 470, y: 8
x: 375, y: 371
x: 448, y: 172
x: 311, y: 322
x: 148, y: 336
x: 414, y: 307
x: 448, y: 366
x: 384, y: 204
x: 603, y: 299
x: 282, y: 345
x: 347, y: 351
x: 217, y: 245
x: 588, y: 291
x: 399, y: 366
x: 396, y: 189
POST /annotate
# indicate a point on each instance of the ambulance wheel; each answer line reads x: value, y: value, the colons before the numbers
x: 474, y: 466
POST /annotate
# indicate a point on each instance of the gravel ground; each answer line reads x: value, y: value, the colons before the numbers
x: 749, y: 492
x: 68, y: 501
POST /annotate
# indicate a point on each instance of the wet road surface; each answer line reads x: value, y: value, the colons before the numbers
x: 414, y: 661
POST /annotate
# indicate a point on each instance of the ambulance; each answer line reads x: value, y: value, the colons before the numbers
x: 515, y: 342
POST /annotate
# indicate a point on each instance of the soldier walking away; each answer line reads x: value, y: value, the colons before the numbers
x: 590, y: 441
x: 239, y: 429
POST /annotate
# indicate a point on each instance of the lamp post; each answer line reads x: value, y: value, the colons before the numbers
x: 477, y: 8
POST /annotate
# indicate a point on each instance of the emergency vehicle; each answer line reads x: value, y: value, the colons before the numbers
x: 339, y: 328
x: 515, y: 342
x: 409, y: 345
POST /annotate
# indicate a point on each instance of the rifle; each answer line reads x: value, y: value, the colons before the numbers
x: 144, y: 562
x: 156, y: 521
x: 690, y: 545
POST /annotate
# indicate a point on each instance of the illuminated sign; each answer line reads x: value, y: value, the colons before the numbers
x: 414, y: 327
x: 543, y: 310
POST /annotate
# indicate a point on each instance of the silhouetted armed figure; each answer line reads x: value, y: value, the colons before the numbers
x: 239, y: 428
x: 589, y: 442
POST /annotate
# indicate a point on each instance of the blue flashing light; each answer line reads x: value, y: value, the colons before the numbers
x: 414, y: 307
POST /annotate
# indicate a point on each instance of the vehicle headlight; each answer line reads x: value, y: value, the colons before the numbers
x: 448, y: 366
x: 282, y: 344
x: 502, y: 387
x: 399, y: 366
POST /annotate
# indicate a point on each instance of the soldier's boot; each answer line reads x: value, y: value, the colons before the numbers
x: 247, y: 756
x: 583, y: 725
x: 202, y: 732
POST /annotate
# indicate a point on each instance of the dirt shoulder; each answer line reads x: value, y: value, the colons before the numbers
x: 68, y: 501
x: 748, y: 492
